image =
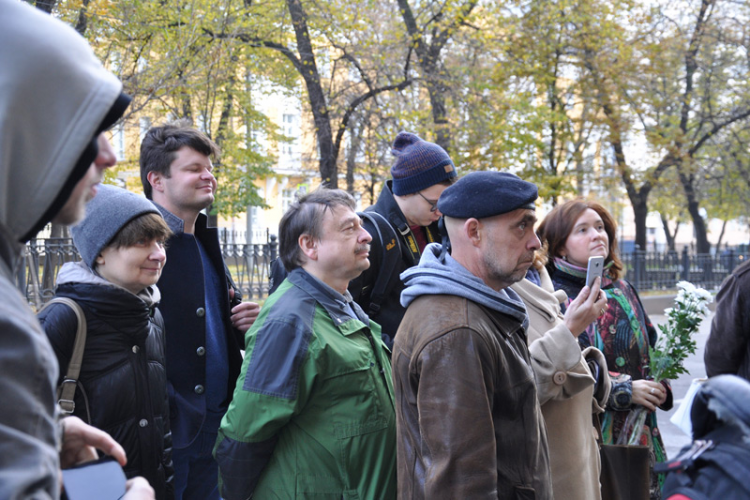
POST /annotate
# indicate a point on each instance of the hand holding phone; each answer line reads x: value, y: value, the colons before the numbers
x: 595, y: 268
x: 101, y: 479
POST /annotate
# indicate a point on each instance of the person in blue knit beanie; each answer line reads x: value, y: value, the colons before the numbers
x: 408, y: 203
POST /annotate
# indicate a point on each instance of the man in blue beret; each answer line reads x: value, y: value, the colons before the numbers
x: 468, y: 418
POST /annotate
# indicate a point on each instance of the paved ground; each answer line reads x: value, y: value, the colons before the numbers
x: 674, y: 438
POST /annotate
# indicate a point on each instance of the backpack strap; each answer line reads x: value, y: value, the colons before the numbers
x: 67, y: 389
x: 391, y: 253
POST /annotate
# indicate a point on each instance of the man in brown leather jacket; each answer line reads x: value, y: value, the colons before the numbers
x: 468, y: 419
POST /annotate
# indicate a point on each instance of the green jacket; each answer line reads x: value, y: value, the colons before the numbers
x: 313, y: 411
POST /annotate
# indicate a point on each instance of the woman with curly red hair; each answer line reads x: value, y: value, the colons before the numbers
x: 573, y: 232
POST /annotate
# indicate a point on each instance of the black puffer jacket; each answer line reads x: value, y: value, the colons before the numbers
x: 123, y: 371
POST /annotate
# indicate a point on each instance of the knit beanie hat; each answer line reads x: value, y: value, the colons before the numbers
x: 111, y: 209
x: 419, y: 164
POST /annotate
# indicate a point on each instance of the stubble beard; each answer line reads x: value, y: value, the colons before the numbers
x: 505, y: 276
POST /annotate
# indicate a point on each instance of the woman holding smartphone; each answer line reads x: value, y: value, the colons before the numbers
x: 573, y: 232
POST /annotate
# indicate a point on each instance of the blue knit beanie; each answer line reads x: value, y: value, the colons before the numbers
x: 419, y: 164
x: 111, y: 209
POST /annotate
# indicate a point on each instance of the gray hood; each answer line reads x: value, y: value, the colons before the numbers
x: 436, y: 276
x: 54, y: 97
x: 79, y: 272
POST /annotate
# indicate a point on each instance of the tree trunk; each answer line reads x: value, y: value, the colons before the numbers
x: 640, y: 212
x: 721, y: 236
x: 318, y: 103
x: 82, y: 22
x: 439, y: 116
x: 429, y: 56
x: 668, y: 233
x: 46, y: 5
x: 693, y: 206
x: 355, y: 140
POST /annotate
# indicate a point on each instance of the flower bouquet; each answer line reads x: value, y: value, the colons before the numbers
x: 671, y: 349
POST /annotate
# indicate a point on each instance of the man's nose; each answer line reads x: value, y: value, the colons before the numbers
x: 365, y: 236
x: 106, y: 156
x: 536, y: 244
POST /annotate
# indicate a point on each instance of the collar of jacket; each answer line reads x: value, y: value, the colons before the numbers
x: 177, y: 225
x: 333, y: 302
x: 386, y: 205
x: 545, y: 302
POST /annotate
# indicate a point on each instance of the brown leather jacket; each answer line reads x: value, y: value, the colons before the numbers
x: 468, y: 419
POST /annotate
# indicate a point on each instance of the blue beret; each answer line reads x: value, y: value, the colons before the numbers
x: 486, y: 194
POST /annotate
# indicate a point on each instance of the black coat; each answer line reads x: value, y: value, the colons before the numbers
x: 183, y: 305
x: 123, y: 374
x: 391, y: 311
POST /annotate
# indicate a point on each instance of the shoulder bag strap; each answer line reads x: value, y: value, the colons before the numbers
x: 67, y: 389
x: 388, y: 242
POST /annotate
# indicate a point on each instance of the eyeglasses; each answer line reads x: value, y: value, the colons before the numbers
x: 433, y: 204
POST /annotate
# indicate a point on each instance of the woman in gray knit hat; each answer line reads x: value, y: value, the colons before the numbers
x: 122, y: 386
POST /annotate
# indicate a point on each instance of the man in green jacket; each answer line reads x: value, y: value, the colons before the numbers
x: 313, y: 410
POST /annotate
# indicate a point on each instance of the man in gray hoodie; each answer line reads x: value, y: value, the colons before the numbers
x: 468, y: 419
x: 56, y: 100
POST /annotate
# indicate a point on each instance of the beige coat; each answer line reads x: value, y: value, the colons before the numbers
x: 566, y: 392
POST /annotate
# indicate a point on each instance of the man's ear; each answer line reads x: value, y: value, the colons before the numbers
x: 156, y: 180
x: 473, y: 230
x: 99, y: 260
x: 309, y: 246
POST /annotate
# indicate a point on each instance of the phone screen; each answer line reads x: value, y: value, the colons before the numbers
x: 101, y: 479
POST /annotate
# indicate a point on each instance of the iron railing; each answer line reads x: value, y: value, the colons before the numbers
x: 250, y: 266
x: 662, y: 271
x: 43, y: 258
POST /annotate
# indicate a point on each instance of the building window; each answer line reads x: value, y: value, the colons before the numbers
x: 287, y: 198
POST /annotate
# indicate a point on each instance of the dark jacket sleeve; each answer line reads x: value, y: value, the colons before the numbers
x: 727, y: 345
x: 277, y: 275
x: 28, y: 457
x: 167, y: 455
x: 235, y: 301
x: 60, y: 324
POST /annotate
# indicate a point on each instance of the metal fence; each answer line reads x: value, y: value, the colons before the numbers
x: 43, y: 258
x: 662, y: 271
x: 250, y: 266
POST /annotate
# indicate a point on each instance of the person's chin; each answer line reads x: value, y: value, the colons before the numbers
x: 599, y: 252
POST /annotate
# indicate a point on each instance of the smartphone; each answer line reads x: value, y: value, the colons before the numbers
x: 596, y: 266
x: 101, y: 479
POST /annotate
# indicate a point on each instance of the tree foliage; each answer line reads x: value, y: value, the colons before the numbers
x: 583, y: 97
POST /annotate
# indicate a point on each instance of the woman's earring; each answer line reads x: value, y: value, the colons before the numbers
x: 565, y: 258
